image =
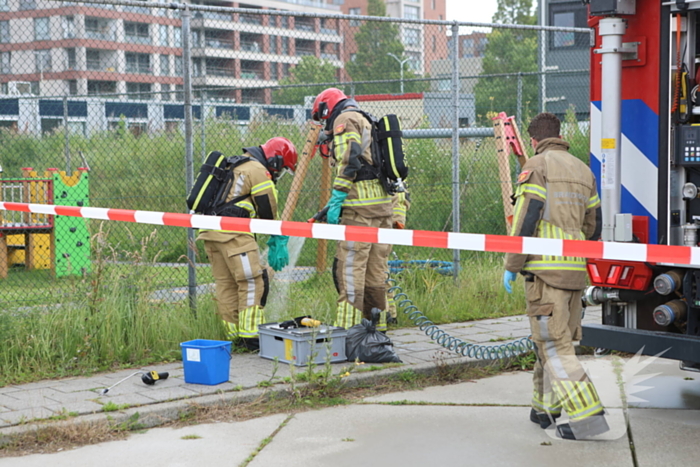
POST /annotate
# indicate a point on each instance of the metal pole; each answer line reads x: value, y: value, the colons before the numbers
x: 455, y: 145
x: 611, y: 30
x: 66, y: 143
x: 189, y: 155
x: 201, y: 122
x: 519, y: 109
x: 543, y: 60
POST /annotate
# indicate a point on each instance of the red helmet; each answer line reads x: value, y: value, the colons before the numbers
x: 325, y: 103
x: 280, y: 154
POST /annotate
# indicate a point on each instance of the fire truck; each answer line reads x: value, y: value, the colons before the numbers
x: 645, y: 152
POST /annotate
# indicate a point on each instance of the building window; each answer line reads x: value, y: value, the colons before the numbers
x: 433, y: 5
x: 284, y: 22
x: 4, y: 32
x: 70, y: 59
x: 6, y: 63
x: 68, y: 27
x: 273, y: 45
x: 43, y: 60
x: 177, y: 36
x: 415, y: 62
x: 179, y: 92
x: 138, y: 63
x: 434, y: 44
x: 353, y: 57
x: 139, y: 90
x: 274, y: 75
x: 4, y: 6
x: 163, y: 36
x: 27, y: 4
x: 564, y: 20
x: 136, y: 33
x: 165, y: 92
x: 411, y: 37
x: 285, y: 45
x: 356, y: 12
x: 73, y: 87
x: 178, y: 65
x: 165, y: 65
x: 41, y: 29
x: 411, y: 12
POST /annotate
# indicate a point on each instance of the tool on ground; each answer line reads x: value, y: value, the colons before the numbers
x: 148, y: 377
x: 320, y: 216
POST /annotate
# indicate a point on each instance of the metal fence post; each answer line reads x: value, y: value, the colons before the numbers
x: 202, y: 120
x: 189, y: 155
x: 455, y: 145
x: 519, y: 109
x: 66, y: 143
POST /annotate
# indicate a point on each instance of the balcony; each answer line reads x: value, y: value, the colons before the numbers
x: 218, y: 43
x: 250, y: 46
x: 302, y: 52
x: 139, y: 69
x: 99, y: 34
x: 219, y: 71
x: 137, y: 38
x: 250, y: 19
x: 98, y: 65
x: 331, y: 32
x: 213, y: 15
x: 250, y: 74
x: 329, y: 56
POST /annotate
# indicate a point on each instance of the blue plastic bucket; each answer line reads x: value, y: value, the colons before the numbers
x: 205, y: 361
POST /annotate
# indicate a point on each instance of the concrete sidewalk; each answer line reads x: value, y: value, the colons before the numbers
x: 484, y: 422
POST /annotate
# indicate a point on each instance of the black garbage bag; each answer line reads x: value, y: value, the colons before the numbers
x: 366, y: 344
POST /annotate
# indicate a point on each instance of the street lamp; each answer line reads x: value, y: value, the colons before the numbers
x: 401, y: 62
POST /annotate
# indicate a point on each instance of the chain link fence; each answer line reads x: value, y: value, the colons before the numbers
x: 115, y: 104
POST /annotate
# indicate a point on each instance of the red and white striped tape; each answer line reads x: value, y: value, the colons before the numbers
x: 682, y: 255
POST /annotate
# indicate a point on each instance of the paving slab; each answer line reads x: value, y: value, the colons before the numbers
x: 428, y: 436
x: 660, y: 383
x: 665, y: 437
x: 506, y: 389
x: 212, y: 444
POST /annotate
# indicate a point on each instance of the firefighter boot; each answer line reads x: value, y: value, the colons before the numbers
x: 543, y: 419
x: 584, y: 429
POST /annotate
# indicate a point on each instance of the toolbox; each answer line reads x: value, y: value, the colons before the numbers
x: 301, y: 345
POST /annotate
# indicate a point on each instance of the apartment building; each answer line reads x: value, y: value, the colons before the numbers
x: 52, y: 48
x: 422, y: 43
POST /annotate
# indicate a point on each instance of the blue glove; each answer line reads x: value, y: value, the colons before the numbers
x: 508, y: 279
x: 278, y: 255
x: 334, y: 205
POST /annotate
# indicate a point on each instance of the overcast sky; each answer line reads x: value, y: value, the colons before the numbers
x: 476, y: 11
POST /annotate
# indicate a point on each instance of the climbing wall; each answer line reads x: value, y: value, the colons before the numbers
x: 71, y: 235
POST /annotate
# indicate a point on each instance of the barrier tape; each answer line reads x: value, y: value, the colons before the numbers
x: 681, y: 255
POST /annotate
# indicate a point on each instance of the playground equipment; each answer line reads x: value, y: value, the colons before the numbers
x: 39, y: 241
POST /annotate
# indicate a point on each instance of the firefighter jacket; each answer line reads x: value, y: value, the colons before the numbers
x: 352, y: 138
x: 555, y: 197
x: 254, y: 180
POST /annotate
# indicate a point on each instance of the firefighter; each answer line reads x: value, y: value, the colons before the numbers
x: 359, y: 268
x: 556, y: 197
x: 242, y: 282
x: 400, y: 203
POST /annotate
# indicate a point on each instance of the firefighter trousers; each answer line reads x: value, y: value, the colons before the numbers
x: 242, y: 286
x: 359, y: 273
x: 560, y: 382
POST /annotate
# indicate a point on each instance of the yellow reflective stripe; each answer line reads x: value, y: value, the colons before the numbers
x: 342, y: 182
x: 516, y: 215
x: 367, y: 201
x: 248, y: 321
x: 399, y: 210
x: 535, y: 190
x: 262, y: 187
x: 593, y: 201
x: 340, y: 143
x: 206, y: 183
x: 391, y: 148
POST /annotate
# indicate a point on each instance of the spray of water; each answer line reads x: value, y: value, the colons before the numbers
x: 282, y: 280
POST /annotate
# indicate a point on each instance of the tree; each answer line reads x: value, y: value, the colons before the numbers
x: 308, y: 71
x: 508, y: 51
x: 375, y: 40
